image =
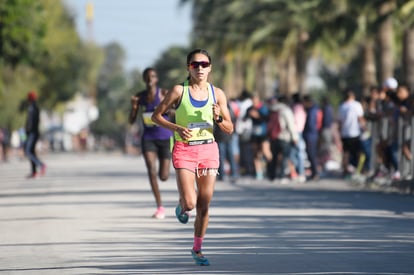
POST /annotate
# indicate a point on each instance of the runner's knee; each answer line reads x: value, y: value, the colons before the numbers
x: 189, y: 204
x: 163, y: 177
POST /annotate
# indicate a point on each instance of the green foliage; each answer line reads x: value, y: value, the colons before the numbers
x: 62, y: 60
x: 21, y: 32
x: 113, y: 95
x: 137, y: 84
x: 22, y: 27
x: 41, y: 50
x: 335, y: 31
x: 251, y: 42
x: 15, y: 85
x: 172, y: 67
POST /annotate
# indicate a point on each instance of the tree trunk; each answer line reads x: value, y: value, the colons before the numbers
x: 282, y: 81
x: 233, y: 77
x: 269, y: 79
x: 288, y: 77
x: 385, y: 41
x: 264, y: 78
x: 408, y: 57
x: 368, y: 67
x: 239, y: 75
x: 228, y: 87
x: 301, y: 62
x: 259, y: 77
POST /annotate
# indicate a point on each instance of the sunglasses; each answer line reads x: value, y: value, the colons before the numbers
x: 196, y: 64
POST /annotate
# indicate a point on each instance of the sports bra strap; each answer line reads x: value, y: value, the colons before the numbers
x: 214, y: 94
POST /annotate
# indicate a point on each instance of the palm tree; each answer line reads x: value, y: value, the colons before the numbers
x: 385, y: 39
x: 405, y: 16
x: 253, y: 36
x: 256, y: 40
x: 213, y: 26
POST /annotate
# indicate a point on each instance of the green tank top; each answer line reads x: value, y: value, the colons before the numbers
x: 198, y: 119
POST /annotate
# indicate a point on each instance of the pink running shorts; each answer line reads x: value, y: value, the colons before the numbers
x: 195, y: 157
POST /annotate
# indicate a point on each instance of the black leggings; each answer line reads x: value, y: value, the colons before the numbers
x: 353, y: 147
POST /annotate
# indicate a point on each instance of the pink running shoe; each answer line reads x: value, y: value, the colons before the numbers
x: 160, y: 213
x: 43, y: 170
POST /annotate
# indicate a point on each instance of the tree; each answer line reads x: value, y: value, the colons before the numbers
x: 405, y: 21
x: 247, y: 36
x: 171, y: 67
x: 112, y: 96
x: 15, y: 84
x: 20, y: 44
x: 385, y: 39
x: 39, y: 50
x: 61, y: 62
x: 21, y: 32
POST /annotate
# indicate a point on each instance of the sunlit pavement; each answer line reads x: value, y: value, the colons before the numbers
x: 91, y: 214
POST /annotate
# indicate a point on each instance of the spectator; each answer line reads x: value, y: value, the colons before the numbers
x: 32, y: 133
x: 258, y: 113
x: 244, y: 128
x: 311, y: 135
x: 351, y: 121
x: 4, y: 143
x: 403, y: 117
x: 369, y: 105
x: 383, y: 115
x: 282, y: 134
x: 226, y: 147
x: 297, y: 154
x: 326, y: 136
x: 388, y: 141
x: 234, y: 104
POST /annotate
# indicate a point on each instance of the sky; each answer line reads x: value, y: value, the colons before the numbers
x: 143, y: 28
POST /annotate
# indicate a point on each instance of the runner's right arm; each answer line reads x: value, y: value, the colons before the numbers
x: 134, y: 109
x: 171, y: 99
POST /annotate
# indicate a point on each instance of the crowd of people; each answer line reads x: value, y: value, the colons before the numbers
x: 294, y: 139
x: 386, y: 134
x: 283, y: 136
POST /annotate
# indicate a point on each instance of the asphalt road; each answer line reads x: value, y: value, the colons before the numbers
x: 91, y: 214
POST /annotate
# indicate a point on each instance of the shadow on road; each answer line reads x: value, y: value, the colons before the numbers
x: 279, y: 231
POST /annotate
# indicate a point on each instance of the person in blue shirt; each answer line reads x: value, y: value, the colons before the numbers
x: 326, y: 136
x: 311, y: 135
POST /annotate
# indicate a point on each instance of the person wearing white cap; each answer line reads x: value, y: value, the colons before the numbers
x: 390, y: 84
x: 389, y: 134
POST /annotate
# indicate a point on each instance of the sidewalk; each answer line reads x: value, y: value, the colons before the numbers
x: 92, y: 215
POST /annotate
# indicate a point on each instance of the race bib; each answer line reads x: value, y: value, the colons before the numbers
x: 202, y: 133
x: 146, y: 117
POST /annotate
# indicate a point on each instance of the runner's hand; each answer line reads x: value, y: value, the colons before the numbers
x: 216, y: 111
x: 134, y: 102
x: 184, y: 133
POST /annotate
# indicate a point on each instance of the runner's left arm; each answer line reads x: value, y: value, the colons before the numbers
x: 220, y: 110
